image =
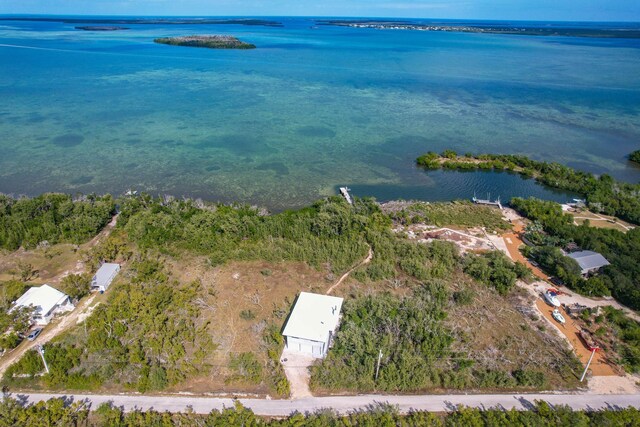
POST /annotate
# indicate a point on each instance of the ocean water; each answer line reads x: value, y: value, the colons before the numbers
x: 311, y: 109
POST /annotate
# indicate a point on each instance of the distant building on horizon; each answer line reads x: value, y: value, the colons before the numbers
x: 312, y: 324
x: 589, y: 261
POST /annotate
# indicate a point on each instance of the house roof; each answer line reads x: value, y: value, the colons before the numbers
x: 589, y: 260
x: 105, y: 273
x: 313, y: 317
x: 44, y: 298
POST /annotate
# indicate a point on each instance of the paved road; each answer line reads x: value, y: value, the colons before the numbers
x: 348, y: 403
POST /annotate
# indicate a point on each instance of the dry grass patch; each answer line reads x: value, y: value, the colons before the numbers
x: 47, y: 265
x: 506, y: 334
x: 240, y: 301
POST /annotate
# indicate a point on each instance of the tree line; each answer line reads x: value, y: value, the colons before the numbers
x: 52, y: 217
x: 57, y: 412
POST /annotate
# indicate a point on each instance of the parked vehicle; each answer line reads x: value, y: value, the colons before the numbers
x: 34, y: 334
x: 558, y: 316
x: 556, y: 281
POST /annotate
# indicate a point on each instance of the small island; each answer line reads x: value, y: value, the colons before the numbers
x: 208, y: 41
x: 635, y: 156
x: 101, y: 28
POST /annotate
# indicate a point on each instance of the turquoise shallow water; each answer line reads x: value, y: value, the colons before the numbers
x: 309, y: 110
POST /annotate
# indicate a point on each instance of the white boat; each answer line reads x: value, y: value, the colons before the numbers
x: 551, y: 299
x: 558, y: 316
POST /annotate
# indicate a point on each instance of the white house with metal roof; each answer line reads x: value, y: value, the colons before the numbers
x: 104, y: 276
x: 312, y: 324
x: 589, y: 261
x: 46, y: 301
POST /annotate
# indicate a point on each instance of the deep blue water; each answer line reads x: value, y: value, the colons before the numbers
x: 312, y: 108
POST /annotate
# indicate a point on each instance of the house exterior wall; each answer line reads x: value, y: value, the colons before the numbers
x: 61, y: 307
x: 313, y: 348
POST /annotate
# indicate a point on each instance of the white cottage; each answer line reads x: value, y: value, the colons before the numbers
x: 104, y: 276
x: 312, y: 323
x: 46, y: 301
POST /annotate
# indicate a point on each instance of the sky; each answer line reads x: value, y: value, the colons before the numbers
x: 549, y: 10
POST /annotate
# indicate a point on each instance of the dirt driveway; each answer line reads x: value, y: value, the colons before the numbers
x: 53, y: 329
x: 296, y: 368
x: 599, y: 365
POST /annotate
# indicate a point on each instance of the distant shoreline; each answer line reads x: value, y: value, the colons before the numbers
x: 149, y: 21
x: 524, y: 30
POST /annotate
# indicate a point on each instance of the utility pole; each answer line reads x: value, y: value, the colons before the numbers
x: 378, y: 366
x: 41, y: 351
x: 593, y: 353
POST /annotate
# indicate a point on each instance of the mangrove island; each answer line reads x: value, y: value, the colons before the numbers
x: 100, y: 28
x: 208, y: 41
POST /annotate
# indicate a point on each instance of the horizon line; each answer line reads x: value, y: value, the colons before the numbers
x: 311, y: 17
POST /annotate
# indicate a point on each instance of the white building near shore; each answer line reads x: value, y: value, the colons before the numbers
x: 312, y: 324
x: 46, y: 301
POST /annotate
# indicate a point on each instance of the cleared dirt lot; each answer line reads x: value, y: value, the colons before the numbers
x: 239, y: 301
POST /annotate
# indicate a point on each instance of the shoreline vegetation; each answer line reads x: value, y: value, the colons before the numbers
x: 635, y: 156
x: 206, y: 41
x: 494, y: 29
x: 603, y: 194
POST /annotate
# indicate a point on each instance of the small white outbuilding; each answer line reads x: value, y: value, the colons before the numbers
x: 312, y: 324
x: 46, y: 301
x: 104, y: 276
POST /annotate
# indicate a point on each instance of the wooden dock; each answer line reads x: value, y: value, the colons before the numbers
x: 487, y: 201
x: 345, y: 193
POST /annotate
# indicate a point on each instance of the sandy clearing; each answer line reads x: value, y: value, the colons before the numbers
x: 296, y: 368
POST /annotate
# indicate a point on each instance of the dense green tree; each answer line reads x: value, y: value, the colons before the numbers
x: 495, y: 269
x: 52, y: 218
x: 76, y: 285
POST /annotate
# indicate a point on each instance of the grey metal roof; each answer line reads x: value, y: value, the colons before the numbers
x: 589, y: 260
x: 105, y: 274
